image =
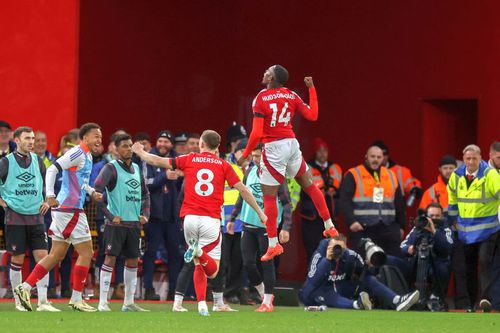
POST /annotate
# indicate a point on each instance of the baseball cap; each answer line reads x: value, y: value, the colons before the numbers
x: 242, y: 144
x: 165, y: 134
x: 5, y: 124
x: 319, y: 143
x: 181, y: 137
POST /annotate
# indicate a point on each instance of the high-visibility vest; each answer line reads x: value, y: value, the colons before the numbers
x: 437, y: 193
x: 334, y: 172
x: 366, y: 211
x: 405, y: 180
x: 231, y: 195
x: 475, y: 208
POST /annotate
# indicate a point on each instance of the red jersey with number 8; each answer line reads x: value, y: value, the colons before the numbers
x: 278, y: 107
x: 205, y: 175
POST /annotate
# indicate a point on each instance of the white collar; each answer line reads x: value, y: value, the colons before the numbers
x: 474, y: 174
x: 323, y: 165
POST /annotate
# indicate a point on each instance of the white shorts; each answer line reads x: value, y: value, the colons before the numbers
x: 280, y: 159
x: 206, y: 230
x: 69, y: 227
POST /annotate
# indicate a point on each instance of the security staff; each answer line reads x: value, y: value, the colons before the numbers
x: 372, y: 203
x: 474, y: 197
x: 437, y: 193
x: 326, y: 176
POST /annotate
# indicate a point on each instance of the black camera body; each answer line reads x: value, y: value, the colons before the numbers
x: 337, y: 251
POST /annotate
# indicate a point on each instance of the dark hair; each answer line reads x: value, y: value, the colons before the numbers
x: 121, y: 137
x: 211, y: 139
x: 22, y: 129
x: 193, y: 136
x: 85, y: 128
x: 142, y: 136
x: 433, y: 205
x: 280, y: 74
x: 259, y: 146
x: 495, y: 146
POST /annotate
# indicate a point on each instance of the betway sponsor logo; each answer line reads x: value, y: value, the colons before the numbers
x: 206, y: 160
x: 27, y: 192
x: 130, y: 198
x: 277, y: 95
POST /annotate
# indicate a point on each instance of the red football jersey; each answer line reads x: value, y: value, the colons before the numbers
x: 278, y: 107
x: 205, y: 175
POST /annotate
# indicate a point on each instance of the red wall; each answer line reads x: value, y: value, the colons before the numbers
x: 196, y: 65
x: 38, y: 71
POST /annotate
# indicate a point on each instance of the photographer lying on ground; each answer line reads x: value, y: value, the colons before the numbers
x: 337, y: 278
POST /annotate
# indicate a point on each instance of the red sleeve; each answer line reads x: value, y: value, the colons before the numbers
x: 310, y: 112
x: 255, y: 136
x: 180, y: 162
x: 230, y: 175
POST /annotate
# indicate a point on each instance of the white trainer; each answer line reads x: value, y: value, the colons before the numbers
x: 47, y: 307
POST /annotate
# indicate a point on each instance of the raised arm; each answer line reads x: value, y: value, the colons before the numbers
x: 310, y: 112
x: 157, y: 161
x: 255, y: 136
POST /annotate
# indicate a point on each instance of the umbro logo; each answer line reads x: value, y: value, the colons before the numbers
x: 25, y: 177
x: 133, y: 183
x: 256, y: 188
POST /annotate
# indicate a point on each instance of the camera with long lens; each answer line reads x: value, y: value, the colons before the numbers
x: 375, y: 255
x: 337, y: 251
x: 421, y: 221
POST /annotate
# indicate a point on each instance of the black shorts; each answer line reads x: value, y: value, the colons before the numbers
x: 122, y: 240
x: 19, y: 238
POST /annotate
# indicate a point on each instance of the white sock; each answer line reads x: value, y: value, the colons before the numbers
x: 355, y: 305
x: 260, y: 289
x: 396, y: 299
x: 218, y: 298
x: 178, y: 298
x: 273, y: 241
x: 26, y: 287
x: 130, y: 279
x: 16, y: 277
x: 328, y: 224
x: 41, y: 287
x: 202, y: 305
x: 198, y: 252
x: 105, y: 282
x: 76, y: 296
x: 268, y: 299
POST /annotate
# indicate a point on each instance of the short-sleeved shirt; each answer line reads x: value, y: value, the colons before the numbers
x: 278, y: 107
x: 205, y: 175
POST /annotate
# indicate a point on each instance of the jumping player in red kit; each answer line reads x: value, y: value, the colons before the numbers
x: 273, y: 110
x: 205, y: 175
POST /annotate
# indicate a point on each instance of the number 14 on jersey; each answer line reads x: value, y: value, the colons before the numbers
x: 284, y: 115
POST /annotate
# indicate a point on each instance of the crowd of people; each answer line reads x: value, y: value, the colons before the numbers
x: 139, y: 185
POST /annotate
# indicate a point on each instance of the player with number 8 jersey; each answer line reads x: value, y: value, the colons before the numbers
x: 273, y: 110
x: 205, y: 175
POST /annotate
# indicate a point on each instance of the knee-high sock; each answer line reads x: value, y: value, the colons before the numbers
x: 319, y: 202
x: 208, y: 265
x: 16, y: 277
x: 36, y: 275
x: 130, y: 279
x: 271, y: 210
x: 200, y: 283
x: 41, y: 287
x: 79, y: 278
x: 104, y: 282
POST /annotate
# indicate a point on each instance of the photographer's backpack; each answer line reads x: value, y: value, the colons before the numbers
x: 392, y: 277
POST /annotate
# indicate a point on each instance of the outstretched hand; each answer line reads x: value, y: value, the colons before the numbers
x: 137, y: 147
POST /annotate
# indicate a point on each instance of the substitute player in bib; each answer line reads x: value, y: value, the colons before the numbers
x: 21, y: 195
x: 274, y: 109
x: 205, y: 175
x: 128, y: 208
x: 69, y: 223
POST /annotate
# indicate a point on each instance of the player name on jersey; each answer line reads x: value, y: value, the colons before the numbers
x: 200, y: 159
x: 278, y: 95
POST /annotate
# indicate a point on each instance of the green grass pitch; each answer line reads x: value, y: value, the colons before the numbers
x: 284, y: 319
